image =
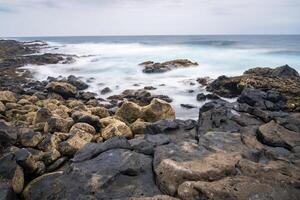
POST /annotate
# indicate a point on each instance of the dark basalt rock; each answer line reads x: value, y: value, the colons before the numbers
x: 106, y: 90
x: 283, y: 80
x: 79, y: 84
x: 201, y: 97
x: 8, y: 134
x: 123, y: 174
x: 188, y: 106
x: 151, y: 67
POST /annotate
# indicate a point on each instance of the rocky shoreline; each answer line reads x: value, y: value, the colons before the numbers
x: 59, y: 141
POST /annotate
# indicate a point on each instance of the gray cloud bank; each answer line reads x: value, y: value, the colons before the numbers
x: 147, y: 17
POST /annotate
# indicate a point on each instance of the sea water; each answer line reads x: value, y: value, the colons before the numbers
x: 112, y: 61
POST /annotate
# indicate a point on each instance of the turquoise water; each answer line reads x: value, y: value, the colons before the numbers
x: 113, y: 61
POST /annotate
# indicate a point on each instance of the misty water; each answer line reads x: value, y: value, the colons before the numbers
x: 113, y: 61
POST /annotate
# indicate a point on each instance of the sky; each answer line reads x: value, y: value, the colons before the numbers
x: 147, y: 17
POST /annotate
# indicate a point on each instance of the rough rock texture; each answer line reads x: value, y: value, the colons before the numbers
x: 130, y: 146
x: 114, y: 174
x: 158, y: 110
x: 283, y: 79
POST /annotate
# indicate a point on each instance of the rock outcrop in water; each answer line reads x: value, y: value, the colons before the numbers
x: 152, y: 67
x: 284, y: 80
x: 59, y: 142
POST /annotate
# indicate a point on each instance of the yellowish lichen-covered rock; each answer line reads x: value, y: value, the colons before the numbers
x: 7, y: 96
x: 139, y: 126
x: 117, y: 128
x: 101, y: 112
x: 129, y: 111
x: 158, y: 110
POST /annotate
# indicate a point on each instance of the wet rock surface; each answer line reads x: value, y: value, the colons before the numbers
x: 58, y: 142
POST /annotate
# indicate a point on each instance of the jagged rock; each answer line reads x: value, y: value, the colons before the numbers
x: 11, y: 171
x: 220, y: 116
x: 57, y: 124
x: 239, y: 188
x: 151, y: 67
x: 83, y: 127
x: 74, y: 143
x: 129, y: 111
x: 123, y: 174
x: 79, y: 84
x: 7, y: 96
x: 158, y: 110
x: 65, y: 89
x: 117, y: 128
x: 29, y: 138
x: 262, y: 100
x: 157, y: 140
x: 275, y: 135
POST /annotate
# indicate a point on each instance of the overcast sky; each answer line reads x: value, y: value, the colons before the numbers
x: 148, y: 17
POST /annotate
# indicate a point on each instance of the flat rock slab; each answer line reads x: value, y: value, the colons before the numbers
x: 114, y: 174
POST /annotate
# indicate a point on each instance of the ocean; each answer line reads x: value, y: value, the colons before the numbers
x: 112, y: 61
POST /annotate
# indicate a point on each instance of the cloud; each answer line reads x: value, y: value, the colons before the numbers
x: 125, y: 17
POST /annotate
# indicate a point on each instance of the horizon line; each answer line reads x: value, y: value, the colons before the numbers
x: 146, y: 35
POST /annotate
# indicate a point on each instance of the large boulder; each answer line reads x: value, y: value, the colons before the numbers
x: 158, y: 110
x: 65, y: 89
x: 7, y: 96
x: 129, y: 111
x: 114, y: 174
